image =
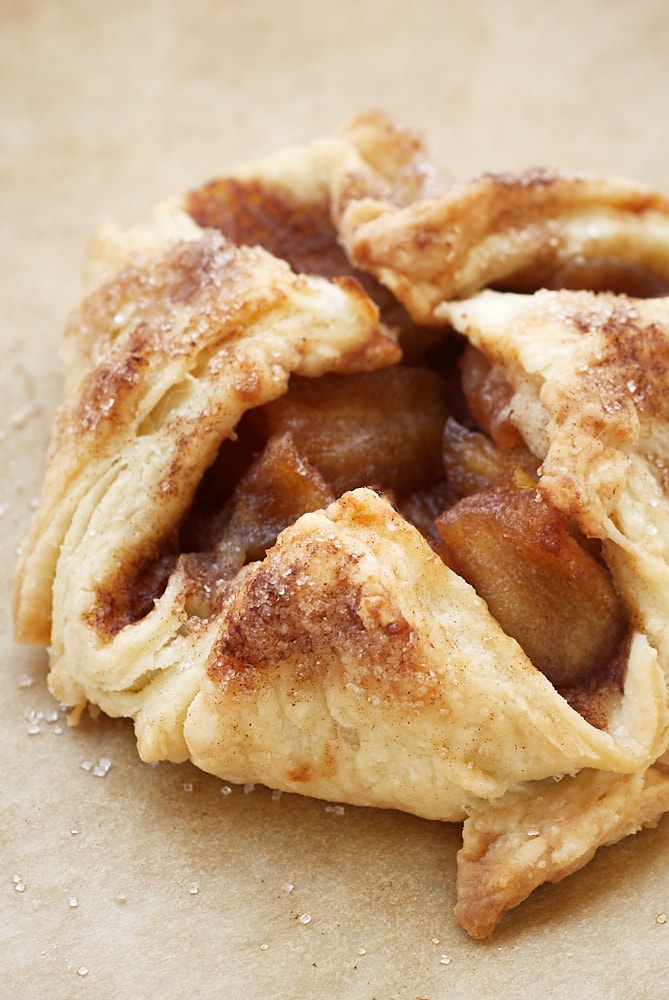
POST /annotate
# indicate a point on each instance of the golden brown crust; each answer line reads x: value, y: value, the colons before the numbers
x: 504, y: 228
x: 519, y: 843
x: 163, y: 359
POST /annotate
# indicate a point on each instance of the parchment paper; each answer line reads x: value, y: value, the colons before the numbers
x: 119, y: 879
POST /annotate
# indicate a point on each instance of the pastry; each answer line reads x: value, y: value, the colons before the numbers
x: 358, y: 490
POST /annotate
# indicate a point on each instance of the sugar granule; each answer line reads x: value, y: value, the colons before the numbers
x: 102, y: 767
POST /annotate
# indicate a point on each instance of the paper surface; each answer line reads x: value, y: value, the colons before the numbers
x: 125, y: 880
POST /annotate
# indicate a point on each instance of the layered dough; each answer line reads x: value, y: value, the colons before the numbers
x: 351, y: 662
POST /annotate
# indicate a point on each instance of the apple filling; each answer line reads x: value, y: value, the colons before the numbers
x: 469, y: 489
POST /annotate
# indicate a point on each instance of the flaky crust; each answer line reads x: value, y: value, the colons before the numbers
x: 351, y: 662
x: 500, y: 227
x: 161, y: 361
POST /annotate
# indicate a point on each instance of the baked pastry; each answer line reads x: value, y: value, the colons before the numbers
x: 350, y: 495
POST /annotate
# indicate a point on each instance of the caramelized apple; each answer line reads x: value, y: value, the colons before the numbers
x: 473, y: 462
x: 277, y: 488
x: 488, y: 396
x: 543, y: 588
x: 608, y: 274
x: 380, y: 429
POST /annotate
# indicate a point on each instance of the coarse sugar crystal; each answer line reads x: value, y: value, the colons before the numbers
x: 102, y: 767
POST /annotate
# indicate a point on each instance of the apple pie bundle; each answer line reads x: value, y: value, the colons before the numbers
x: 360, y: 489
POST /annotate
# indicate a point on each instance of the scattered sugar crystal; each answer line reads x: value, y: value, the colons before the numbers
x: 19, y: 884
x: 73, y: 902
x: 121, y: 897
x: 82, y: 971
x: 87, y: 765
x: 187, y: 786
x: 435, y: 940
x: 122, y: 315
x: 305, y: 918
x: 264, y: 947
x: 361, y: 951
x: 533, y: 832
x: 248, y: 787
x: 33, y: 717
x: 194, y: 889
x: 276, y: 794
x: 74, y: 829
x: 25, y: 681
x: 287, y: 886
x: 336, y: 810
x: 661, y: 918
x: 226, y: 790
x: 102, y: 767
x: 445, y: 960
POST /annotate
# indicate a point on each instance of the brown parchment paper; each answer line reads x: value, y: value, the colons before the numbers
x: 118, y: 879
